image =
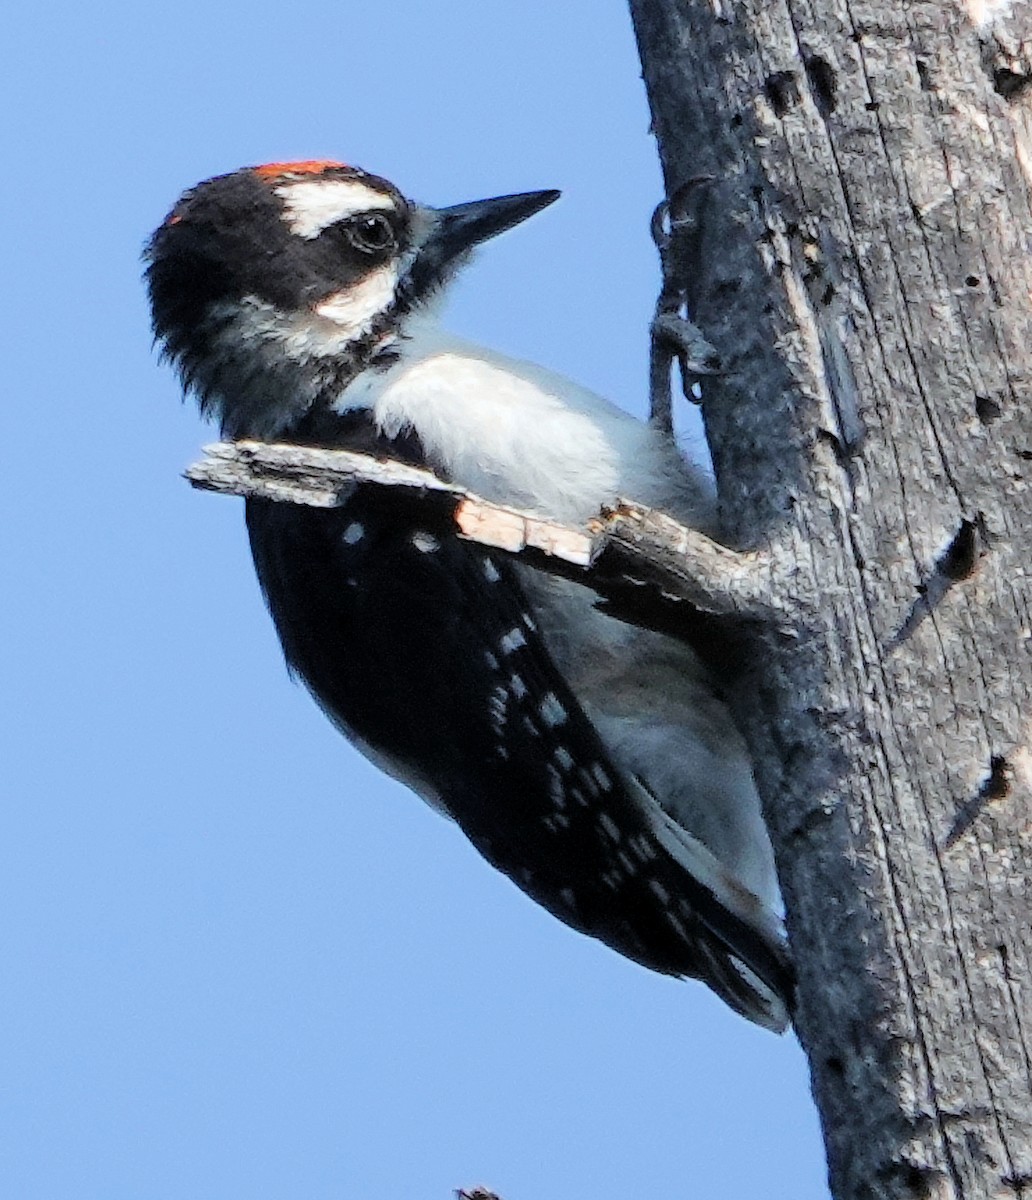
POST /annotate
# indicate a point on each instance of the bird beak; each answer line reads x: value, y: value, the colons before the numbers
x: 464, y: 226
x: 456, y: 230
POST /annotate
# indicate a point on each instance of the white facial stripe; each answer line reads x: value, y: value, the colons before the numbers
x: 312, y: 205
x: 355, y: 310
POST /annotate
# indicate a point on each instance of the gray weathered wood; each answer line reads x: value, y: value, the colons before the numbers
x: 861, y: 264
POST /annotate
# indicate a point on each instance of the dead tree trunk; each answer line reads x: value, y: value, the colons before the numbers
x: 862, y: 262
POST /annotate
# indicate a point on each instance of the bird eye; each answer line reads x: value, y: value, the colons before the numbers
x: 371, y: 233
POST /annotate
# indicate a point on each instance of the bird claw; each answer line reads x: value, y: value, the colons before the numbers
x: 697, y: 357
x: 675, y: 229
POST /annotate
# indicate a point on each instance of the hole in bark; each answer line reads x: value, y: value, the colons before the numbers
x: 736, y: 121
x: 828, y: 295
x: 998, y: 785
x: 972, y: 280
x: 782, y: 91
x: 957, y: 562
x: 1004, y: 954
x: 823, y: 83
x: 995, y: 786
x: 1010, y: 84
x: 872, y: 106
x: 835, y: 1065
x: 922, y: 1182
x: 837, y: 448
x: 987, y: 410
x: 1026, y: 455
x: 961, y: 555
x: 923, y: 76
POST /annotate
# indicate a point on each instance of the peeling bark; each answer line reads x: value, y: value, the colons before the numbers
x: 861, y: 265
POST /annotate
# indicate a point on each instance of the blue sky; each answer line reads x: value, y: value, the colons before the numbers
x: 237, y: 963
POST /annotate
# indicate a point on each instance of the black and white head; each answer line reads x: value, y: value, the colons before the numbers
x: 271, y: 288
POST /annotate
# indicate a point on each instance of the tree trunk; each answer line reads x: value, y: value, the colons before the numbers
x: 861, y: 262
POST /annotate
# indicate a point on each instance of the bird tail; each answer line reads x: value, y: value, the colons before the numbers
x: 738, y: 942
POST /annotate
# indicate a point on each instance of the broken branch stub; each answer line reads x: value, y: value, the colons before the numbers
x: 646, y: 565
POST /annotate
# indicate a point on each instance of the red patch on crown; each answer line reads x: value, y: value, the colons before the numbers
x: 310, y: 166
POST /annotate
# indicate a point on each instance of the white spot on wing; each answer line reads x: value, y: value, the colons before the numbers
x: 551, y: 711
x: 609, y: 826
x: 588, y: 780
x: 491, y: 572
x: 555, y: 822
x: 517, y: 687
x: 313, y: 204
x: 354, y: 533
x: 604, y: 782
x: 659, y: 891
x: 678, y: 924
x: 512, y: 641
x: 563, y: 758
x: 644, y: 849
x: 556, y: 788
x: 425, y: 542
x: 496, y: 706
x: 355, y: 308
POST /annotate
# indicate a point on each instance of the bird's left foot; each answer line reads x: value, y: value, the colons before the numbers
x: 674, y: 336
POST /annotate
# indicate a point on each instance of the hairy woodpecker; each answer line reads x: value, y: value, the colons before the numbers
x: 592, y: 762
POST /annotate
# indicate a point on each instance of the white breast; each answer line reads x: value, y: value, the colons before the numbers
x: 518, y: 434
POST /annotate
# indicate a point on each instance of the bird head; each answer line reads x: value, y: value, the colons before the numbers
x: 273, y: 286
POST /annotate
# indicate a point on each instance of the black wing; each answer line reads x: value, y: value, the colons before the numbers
x: 423, y: 646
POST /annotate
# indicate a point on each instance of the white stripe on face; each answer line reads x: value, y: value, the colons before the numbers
x: 355, y: 309
x: 314, y: 204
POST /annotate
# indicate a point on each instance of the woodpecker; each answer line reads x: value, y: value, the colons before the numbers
x: 592, y: 762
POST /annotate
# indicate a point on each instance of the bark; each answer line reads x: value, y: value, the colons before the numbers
x: 860, y: 264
